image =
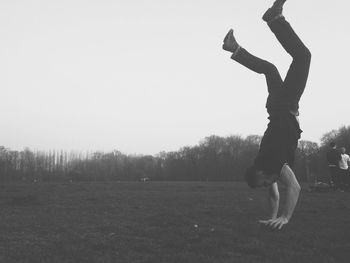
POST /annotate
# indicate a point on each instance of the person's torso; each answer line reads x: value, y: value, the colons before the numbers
x: 343, y: 163
x: 279, y: 143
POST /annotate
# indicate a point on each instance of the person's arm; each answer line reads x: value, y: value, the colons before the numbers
x: 292, y: 195
x: 273, y: 200
x: 293, y: 189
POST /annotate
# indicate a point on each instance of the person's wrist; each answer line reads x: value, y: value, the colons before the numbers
x: 285, y: 218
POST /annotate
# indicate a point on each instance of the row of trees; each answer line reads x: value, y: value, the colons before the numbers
x: 213, y: 159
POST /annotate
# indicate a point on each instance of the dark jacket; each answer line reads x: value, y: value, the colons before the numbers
x: 333, y: 157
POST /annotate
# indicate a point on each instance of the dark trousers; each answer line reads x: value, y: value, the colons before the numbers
x: 336, y: 176
x: 283, y: 95
x: 345, y: 177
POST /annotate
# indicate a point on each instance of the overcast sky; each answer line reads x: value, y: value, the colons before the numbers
x: 148, y: 76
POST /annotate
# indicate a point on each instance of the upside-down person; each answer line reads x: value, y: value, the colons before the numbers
x: 277, y: 149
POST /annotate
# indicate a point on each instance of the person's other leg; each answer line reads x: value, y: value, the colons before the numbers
x: 347, y: 180
x: 258, y: 65
x: 342, y: 179
x: 296, y: 78
x: 337, y: 178
x: 334, y: 177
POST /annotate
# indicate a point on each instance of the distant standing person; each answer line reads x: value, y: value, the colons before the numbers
x: 344, y: 167
x: 280, y: 140
x: 333, y: 158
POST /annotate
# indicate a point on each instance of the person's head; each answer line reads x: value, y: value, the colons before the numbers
x: 257, y: 178
x: 342, y: 150
x: 332, y: 144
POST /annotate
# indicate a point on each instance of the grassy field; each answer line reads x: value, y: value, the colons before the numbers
x: 165, y: 222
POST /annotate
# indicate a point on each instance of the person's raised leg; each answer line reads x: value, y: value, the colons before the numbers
x: 297, y: 75
x: 258, y: 65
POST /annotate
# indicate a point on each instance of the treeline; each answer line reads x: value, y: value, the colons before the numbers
x: 213, y: 159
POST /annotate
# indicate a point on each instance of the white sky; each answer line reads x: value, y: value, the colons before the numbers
x: 149, y: 76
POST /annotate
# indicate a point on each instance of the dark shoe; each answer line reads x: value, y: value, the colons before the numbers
x: 230, y: 43
x: 274, y: 12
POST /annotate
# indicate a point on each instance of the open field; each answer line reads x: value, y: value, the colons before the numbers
x: 165, y: 222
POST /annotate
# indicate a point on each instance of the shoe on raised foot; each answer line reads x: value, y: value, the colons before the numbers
x: 274, y: 12
x: 230, y: 43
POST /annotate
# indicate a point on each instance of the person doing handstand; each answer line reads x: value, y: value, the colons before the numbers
x: 277, y: 148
